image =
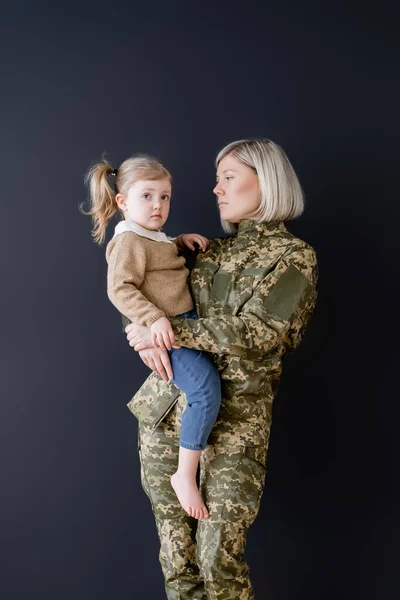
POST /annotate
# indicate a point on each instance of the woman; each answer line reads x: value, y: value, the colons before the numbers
x: 254, y: 293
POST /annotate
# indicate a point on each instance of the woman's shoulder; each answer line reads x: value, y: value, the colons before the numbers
x: 301, y: 255
x: 283, y: 247
x: 294, y: 243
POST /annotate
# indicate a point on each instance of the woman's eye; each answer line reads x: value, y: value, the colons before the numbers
x: 228, y: 178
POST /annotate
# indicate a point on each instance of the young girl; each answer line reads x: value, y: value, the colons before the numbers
x: 147, y: 282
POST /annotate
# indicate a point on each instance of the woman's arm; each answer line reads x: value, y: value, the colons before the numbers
x: 265, y: 318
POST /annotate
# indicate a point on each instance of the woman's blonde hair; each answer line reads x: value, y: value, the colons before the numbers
x: 282, y: 198
x: 102, y: 195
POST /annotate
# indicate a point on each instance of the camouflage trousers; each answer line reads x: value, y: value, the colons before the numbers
x: 203, y: 560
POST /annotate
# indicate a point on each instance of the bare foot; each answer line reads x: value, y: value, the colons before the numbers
x: 189, y: 496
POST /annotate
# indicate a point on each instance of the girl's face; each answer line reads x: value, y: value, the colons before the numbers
x: 147, y: 203
x: 237, y: 190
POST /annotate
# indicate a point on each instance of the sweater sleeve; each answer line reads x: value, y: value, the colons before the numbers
x: 126, y: 260
x: 264, y: 320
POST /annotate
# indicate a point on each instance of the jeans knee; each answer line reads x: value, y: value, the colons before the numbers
x: 212, y: 388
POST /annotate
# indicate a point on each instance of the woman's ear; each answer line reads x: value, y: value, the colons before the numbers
x: 120, y: 200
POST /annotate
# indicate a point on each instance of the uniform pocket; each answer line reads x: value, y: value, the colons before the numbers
x: 158, y: 462
x: 221, y: 286
x: 233, y: 487
x: 201, y: 280
x: 153, y: 401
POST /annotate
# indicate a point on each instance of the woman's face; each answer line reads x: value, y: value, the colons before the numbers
x: 237, y: 190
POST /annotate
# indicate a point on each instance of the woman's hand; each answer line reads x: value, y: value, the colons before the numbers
x: 188, y: 239
x: 158, y: 361
x: 139, y: 336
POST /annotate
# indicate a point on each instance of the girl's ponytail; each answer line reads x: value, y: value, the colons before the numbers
x: 102, y: 195
x: 102, y: 198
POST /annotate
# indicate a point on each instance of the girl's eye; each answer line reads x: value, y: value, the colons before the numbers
x: 164, y: 197
x: 145, y: 196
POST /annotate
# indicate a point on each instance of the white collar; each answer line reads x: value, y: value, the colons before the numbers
x: 127, y: 225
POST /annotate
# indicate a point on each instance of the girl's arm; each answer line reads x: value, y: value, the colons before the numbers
x: 126, y: 270
x: 265, y: 318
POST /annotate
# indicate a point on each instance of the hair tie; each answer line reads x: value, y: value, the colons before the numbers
x: 114, y: 172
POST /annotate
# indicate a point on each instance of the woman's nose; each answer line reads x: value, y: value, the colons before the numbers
x: 218, y: 191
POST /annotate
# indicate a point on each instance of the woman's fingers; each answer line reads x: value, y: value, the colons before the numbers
x: 160, y: 368
x: 140, y: 346
x: 138, y: 332
x: 130, y: 331
x: 158, y: 361
x: 167, y: 365
x: 150, y: 363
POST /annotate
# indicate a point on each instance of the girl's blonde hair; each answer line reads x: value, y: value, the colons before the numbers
x: 102, y: 195
x: 282, y: 198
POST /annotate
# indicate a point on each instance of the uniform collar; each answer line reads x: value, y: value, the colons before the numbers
x: 249, y: 227
x: 128, y: 225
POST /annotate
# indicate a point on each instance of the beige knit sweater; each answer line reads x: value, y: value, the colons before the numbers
x: 146, y: 279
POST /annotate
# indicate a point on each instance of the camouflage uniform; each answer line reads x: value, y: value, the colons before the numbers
x: 254, y: 294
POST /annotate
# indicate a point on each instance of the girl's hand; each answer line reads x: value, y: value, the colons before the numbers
x: 158, y: 361
x: 138, y: 336
x: 162, y: 334
x: 188, y: 240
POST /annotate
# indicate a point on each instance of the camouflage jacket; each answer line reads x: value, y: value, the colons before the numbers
x: 254, y: 294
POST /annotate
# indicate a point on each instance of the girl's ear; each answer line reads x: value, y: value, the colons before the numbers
x: 120, y: 200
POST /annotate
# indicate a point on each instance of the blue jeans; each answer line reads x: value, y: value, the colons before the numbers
x: 197, y: 376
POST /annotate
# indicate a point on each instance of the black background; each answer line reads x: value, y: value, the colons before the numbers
x: 180, y: 80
